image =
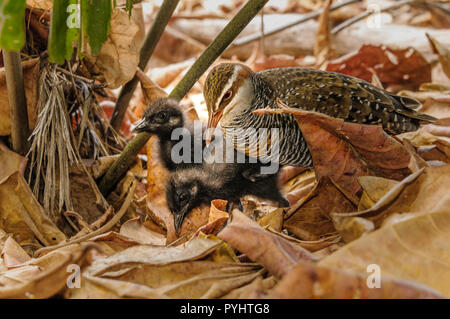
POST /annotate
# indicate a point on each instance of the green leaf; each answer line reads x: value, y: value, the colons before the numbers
x: 129, y: 6
x: 64, y: 30
x: 96, y: 18
x: 12, y: 28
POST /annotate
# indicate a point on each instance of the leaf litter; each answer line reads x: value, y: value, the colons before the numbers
x: 371, y: 198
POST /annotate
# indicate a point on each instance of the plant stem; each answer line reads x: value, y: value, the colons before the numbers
x: 17, y: 101
x: 211, y: 53
x: 150, y: 42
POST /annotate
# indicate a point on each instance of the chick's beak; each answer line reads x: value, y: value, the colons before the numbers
x: 141, y: 126
x: 178, y: 221
x: 213, y: 121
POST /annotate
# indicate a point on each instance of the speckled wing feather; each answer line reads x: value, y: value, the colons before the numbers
x: 351, y: 99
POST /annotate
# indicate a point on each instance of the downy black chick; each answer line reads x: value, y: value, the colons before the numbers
x: 161, y: 118
x: 189, y: 188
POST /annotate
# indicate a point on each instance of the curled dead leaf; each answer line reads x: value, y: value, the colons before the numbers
x: 308, y: 280
x: 442, y: 52
x: 405, y: 67
x: 42, y: 277
x: 423, y: 191
x: 414, y: 249
x: 273, y: 252
x: 22, y: 215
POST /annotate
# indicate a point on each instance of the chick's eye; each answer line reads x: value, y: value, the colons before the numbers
x: 183, y: 197
x: 159, y: 117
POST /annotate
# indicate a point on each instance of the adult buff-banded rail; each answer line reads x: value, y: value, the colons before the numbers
x: 233, y: 91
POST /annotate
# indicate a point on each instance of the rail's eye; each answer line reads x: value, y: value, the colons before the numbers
x: 226, y: 96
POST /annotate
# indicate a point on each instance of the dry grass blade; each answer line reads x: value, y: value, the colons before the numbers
x: 52, y: 150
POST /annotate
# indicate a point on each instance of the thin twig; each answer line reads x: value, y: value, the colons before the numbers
x: 115, y: 219
x: 312, y: 15
x: 76, y: 76
x: 366, y: 14
x: 17, y: 101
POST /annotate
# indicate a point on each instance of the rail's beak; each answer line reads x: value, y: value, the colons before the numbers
x: 141, y: 126
x: 213, y: 121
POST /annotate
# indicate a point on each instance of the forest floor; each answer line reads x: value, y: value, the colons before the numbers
x: 342, y: 235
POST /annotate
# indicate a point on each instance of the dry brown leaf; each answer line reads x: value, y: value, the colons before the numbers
x: 413, y: 249
x: 157, y: 174
x: 86, y: 199
x: 112, y: 242
x: 159, y: 213
x: 22, y: 215
x: 31, y: 80
x: 438, y: 130
x: 308, y: 280
x: 439, y: 18
x: 12, y: 254
x: 154, y: 255
x: 11, y: 162
x: 104, y: 288
x: 423, y: 191
x: 273, y: 219
x: 177, y: 46
x: 165, y: 75
x: 216, y: 219
x: 439, y: 108
x: 119, y: 55
x: 217, y: 210
x: 273, y: 252
x: 435, y: 99
x: 273, y: 61
x: 376, y: 81
x: 256, y: 289
x: 41, y: 4
x: 150, y: 89
x: 442, y: 52
x: 95, y: 225
x: 188, y: 279
x: 287, y: 173
x: 135, y: 230
x: 223, y: 253
x: 374, y: 188
x: 405, y: 67
x: 298, y: 187
x: 159, y: 272
x: 42, y: 277
x: 311, y: 220
x: 311, y: 245
x: 430, y: 147
x: 420, y: 138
